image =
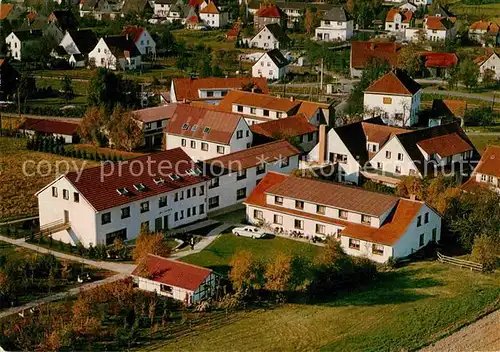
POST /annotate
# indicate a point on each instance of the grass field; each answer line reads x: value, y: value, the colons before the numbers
x: 486, y: 11
x: 481, y: 142
x: 24, y: 172
x: 406, y: 309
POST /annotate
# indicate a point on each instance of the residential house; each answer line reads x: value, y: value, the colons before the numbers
x: 59, y: 22
x: 398, y: 20
x: 316, y: 113
x: 295, y: 10
x: 487, y: 171
x: 408, y: 6
x: 50, y: 127
x: 153, y: 122
x: 413, y: 3
x: 142, y: 8
x: 178, y: 12
x: 257, y: 108
x: 99, y: 204
x: 396, y: 97
x: 142, y: 39
x: 213, y: 17
x: 270, y: 36
x: 489, y: 62
x: 485, y: 32
x: 211, y: 89
x: 197, y: 4
x: 336, y: 24
x: 181, y: 281
x: 98, y: 9
x: 17, y: 41
x: 367, y: 224
x: 363, y: 53
x: 441, y: 11
x: 204, y: 133
x: 194, y: 22
x: 161, y: 8
x: 271, y: 65
x: 435, y: 28
x: 269, y: 14
x: 116, y: 53
x: 438, y: 64
x: 76, y: 45
x: 443, y: 109
x: 232, y: 34
x: 297, y: 128
x: 235, y: 175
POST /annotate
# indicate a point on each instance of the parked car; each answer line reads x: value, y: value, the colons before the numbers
x: 249, y: 231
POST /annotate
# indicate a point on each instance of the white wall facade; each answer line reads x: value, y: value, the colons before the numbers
x: 394, y: 159
x: 333, y: 30
x: 145, y: 43
x: 265, y: 67
x: 265, y: 40
x: 161, y: 10
x: 261, y: 113
x: 398, y: 110
x: 215, y: 20
x: 102, y: 57
x: 492, y: 63
x: 14, y: 46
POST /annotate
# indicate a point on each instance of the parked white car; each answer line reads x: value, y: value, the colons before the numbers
x: 249, y: 231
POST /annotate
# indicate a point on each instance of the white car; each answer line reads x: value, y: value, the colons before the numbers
x: 249, y: 231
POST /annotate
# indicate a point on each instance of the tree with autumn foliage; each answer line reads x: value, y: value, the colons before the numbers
x: 278, y: 273
x: 93, y: 125
x: 311, y: 19
x: 124, y: 131
x: 150, y: 243
x: 246, y: 272
x: 409, y: 60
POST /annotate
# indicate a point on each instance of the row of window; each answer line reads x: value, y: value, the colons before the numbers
x: 213, y: 202
x: 253, y: 111
x: 489, y: 179
x: 388, y: 155
x: 190, y: 192
x: 210, y: 93
x: 179, y: 215
x: 298, y: 224
x: 204, y: 146
x: 76, y: 196
x: 376, y: 249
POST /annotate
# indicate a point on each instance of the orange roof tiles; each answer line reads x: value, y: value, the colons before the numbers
x: 444, y: 107
x: 394, y: 82
x: 133, y: 32
x: 433, y: 59
x: 292, y: 126
x: 490, y: 161
x: 445, y: 145
x: 487, y: 26
x: 309, y: 108
x: 437, y: 23
x: 380, y: 133
x: 5, y: 10
x: 269, y: 11
x: 172, y: 272
x: 156, y: 113
x: 211, y: 8
x: 406, y: 15
x: 257, y: 100
x: 269, y: 153
x: 363, y: 52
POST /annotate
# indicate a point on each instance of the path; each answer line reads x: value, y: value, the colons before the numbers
x: 461, y: 95
x: 111, y: 266
x: 492, y: 134
x: 71, y: 292
x: 198, y: 247
x: 483, y: 335
x: 18, y: 220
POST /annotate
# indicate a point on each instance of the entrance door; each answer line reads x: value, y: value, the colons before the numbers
x: 66, y: 216
x: 165, y: 222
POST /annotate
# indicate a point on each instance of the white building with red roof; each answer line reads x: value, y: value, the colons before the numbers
x: 171, y: 278
x: 487, y: 171
x: 489, y: 62
x: 212, y: 16
x: 395, y: 97
x: 153, y: 122
x: 336, y: 25
x: 94, y: 206
x: 397, y: 20
x: 435, y: 28
x: 485, y: 32
x: 50, y: 127
x: 205, y: 133
x: 142, y: 39
x: 374, y: 225
x: 269, y: 14
x: 363, y: 53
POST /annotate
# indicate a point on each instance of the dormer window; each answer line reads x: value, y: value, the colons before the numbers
x: 194, y: 128
x: 206, y: 130
x: 365, y: 219
x: 185, y: 127
x: 140, y: 187
x: 122, y: 191
x: 174, y: 177
x: 158, y: 181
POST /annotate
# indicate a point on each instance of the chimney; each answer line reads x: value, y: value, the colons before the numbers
x: 292, y: 99
x: 413, y: 197
x: 322, y: 144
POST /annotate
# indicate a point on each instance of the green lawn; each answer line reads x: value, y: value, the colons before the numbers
x: 405, y: 310
x: 218, y: 254
x: 481, y: 142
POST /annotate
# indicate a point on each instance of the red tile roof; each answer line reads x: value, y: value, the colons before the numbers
x: 222, y: 125
x: 437, y: 23
x: 490, y: 161
x: 187, y: 88
x: 445, y: 107
x: 394, y: 82
x: 133, y: 32
x: 211, y: 8
x: 483, y: 58
x: 195, y: 3
x: 272, y: 11
x: 49, y: 126
x: 433, y: 59
x: 193, y: 19
x: 269, y: 153
x: 406, y: 15
x: 5, y: 10
x: 485, y: 26
x: 380, y: 133
x: 156, y: 113
x: 258, y: 101
x: 173, y: 273
x: 445, y: 145
x: 363, y: 52
x: 125, y: 174
x: 292, y: 126
x: 258, y: 195
x: 309, y: 108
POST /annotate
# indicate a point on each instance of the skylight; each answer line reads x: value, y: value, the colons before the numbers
x: 122, y: 191
x: 185, y: 126
x: 194, y: 128
x: 158, y: 180
x: 140, y: 187
x: 195, y: 171
x: 206, y: 130
x: 174, y: 177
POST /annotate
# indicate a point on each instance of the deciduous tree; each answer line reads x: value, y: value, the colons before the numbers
x: 409, y: 60
x: 92, y: 126
x: 124, y: 131
x: 469, y: 73
x: 278, y: 273
x: 150, y: 243
x: 486, y: 251
x: 246, y: 272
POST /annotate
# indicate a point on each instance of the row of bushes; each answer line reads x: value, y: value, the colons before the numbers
x: 77, y: 111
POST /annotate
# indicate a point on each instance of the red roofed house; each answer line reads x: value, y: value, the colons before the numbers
x: 55, y: 128
x: 182, y: 281
x: 487, y: 172
x: 489, y: 62
x: 395, y: 97
x: 155, y: 192
x: 205, y: 133
x: 436, y: 28
x: 398, y: 20
x: 213, y: 16
x: 364, y: 52
x: 439, y: 63
x: 485, y: 32
x: 153, y: 121
x: 375, y: 225
x: 268, y: 14
x: 142, y: 39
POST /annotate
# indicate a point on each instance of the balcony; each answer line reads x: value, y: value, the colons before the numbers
x: 53, y: 227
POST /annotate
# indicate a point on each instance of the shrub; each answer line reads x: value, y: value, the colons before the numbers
x: 486, y: 251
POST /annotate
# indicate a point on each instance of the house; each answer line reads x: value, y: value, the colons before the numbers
x: 203, y: 133
x: 451, y: 109
x: 485, y: 32
x: 194, y: 22
x: 368, y: 224
x: 18, y: 40
x: 487, y: 171
x: 414, y: 3
x: 257, y: 108
x: 398, y: 20
x: 77, y: 44
x: 435, y: 28
x: 211, y: 89
x: 295, y: 10
x: 297, y: 128
x: 99, y: 204
x: 235, y: 175
x: 142, y: 39
x: 232, y: 34
x: 269, y: 14
x: 178, y: 12
x: 489, y: 62
x: 50, y: 127
x: 438, y: 64
x: 9, y: 77
x: 141, y: 8
x: 441, y: 11
x: 408, y: 6
x: 197, y: 4
x: 336, y: 24
x: 213, y: 17
x: 271, y: 65
x: 161, y: 8
x: 153, y: 122
x: 98, y: 9
x: 396, y: 97
x: 181, y: 281
x: 60, y: 21
x: 116, y: 53
x: 363, y: 53
x: 270, y: 36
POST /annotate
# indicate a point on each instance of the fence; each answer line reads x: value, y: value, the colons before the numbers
x: 459, y: 262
